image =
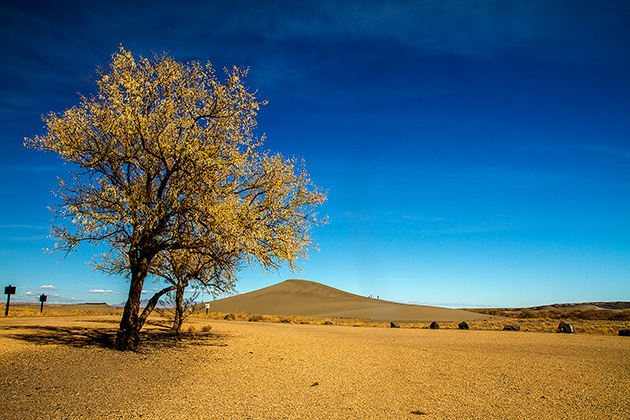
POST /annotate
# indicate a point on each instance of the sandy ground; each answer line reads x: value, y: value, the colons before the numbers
x: 61, y: 368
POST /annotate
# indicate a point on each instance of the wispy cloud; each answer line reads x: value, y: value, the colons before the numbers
x: 550, y: 29
x: 605, y: 150
x: 245, y: 31
x: 468, y: 228
x: 422, y: 218
x: 22, y: 232
x: 359, y: 217
x: 452, y: 305
x: 53, y: 298
x: 48, y: 287
x: 18, y: 226
x: 32, y: 168
x: 102, y: 292
x: 19, y: 232
x: 23, y: 238
x: 64, y: 300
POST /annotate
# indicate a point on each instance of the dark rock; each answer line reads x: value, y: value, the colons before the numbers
x: 463, y: 325
x: 565, y: 327
x: 328, y: 323
x: 511, y: 328
x: 434, y: 326
x: 393, y: 325
x: 625, y: 333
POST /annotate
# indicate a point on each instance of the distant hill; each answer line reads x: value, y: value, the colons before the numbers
x: 568, y: 307
x: 90, y: 306
x: 307, y: 298
x: 143, y: 303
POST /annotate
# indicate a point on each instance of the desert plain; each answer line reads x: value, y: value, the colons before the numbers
x: 286, y: 366
x: 64, y: 368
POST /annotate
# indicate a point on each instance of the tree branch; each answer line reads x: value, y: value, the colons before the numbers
x: 154, y: 300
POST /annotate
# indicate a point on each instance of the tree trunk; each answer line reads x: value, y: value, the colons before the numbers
x: 179, y: 311
x: 128, y: 335
x: 151, y: 304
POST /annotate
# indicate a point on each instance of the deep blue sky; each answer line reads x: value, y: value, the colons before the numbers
x: 475, y: 153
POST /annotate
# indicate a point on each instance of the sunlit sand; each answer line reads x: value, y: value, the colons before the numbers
x: 64, y: 367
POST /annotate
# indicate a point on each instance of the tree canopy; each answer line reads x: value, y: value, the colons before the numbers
x: 166, y: 162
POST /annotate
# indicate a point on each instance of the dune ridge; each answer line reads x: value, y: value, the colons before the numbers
x: 307, y: 298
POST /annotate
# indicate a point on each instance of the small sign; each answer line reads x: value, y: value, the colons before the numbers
x: 42, y: 299
x: 8, y: 290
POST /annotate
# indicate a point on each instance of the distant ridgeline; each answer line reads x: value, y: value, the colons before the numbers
x: 587, y: 306
x: 597, y: 305
x: 614, y: 311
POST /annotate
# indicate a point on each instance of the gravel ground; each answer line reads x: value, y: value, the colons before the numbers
x: 62, y: 368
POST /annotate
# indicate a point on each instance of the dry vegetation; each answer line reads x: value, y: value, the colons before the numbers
x: 590, y: 315
x: 534, y: 324
x: 585, y: 322
x: 19, y: 310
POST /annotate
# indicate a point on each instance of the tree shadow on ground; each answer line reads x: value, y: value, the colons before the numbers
x: 69, y: 336
x: 104, y: 337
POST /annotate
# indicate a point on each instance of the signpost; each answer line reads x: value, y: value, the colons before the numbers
x: 207, y: 307
x: 42, y: 299
x: 8, y: 290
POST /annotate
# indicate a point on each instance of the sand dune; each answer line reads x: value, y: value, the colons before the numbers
x: 306, y: 298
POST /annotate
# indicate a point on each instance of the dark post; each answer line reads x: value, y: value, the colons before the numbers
x: 8, y: 290
x: 42, y: 299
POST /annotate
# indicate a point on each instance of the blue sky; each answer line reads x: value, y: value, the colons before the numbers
x: 476, y: 153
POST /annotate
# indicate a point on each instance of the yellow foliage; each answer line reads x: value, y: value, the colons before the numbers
x: 166, y: 160
x: 167, y: 155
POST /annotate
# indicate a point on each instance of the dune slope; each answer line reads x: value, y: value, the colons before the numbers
x: 306, y: 298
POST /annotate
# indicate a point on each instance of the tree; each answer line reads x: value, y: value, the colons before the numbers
x: 178, y: 308
x: 213, y: 273
x: 166, y: 161
x: 212, y: 269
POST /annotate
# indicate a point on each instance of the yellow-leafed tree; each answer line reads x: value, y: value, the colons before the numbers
x: 167, y: 164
